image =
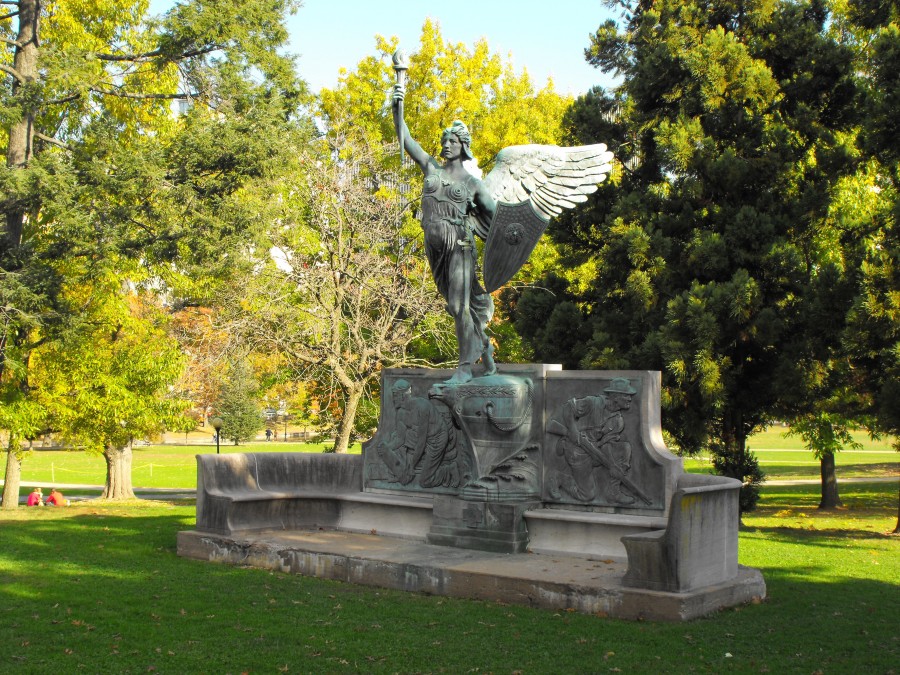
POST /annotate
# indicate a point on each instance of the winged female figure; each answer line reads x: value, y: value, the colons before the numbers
x: 510, y: 208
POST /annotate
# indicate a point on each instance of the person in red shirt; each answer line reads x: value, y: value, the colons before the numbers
x: 56, y: 498
x: 36, y: 498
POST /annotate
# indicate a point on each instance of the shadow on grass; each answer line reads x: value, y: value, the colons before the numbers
x: 881, y: 495
x: 100, y: 588
x: 819, y: 536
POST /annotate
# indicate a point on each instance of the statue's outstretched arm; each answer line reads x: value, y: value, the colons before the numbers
x: 412, y: 147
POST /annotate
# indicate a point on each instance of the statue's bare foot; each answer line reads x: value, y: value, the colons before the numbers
x: 487, y: 358
x: 462, y: 375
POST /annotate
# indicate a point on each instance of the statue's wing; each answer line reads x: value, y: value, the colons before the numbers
x: 550, y: 177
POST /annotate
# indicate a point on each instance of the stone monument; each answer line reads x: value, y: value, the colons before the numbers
x: 482, y: 464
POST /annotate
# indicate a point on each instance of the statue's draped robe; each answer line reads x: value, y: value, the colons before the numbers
x: 450, y: 247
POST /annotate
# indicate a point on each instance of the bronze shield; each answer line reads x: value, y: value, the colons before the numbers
x: 514, y: 233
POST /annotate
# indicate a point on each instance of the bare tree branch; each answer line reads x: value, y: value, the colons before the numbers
x: 9, y: 16
x: 10, y: 41
x: 122, y: 94
x: 146, y: 56
x: 129, y: 57
x: 53, y: 141
x: 65, y: 99
x: 12, y: 71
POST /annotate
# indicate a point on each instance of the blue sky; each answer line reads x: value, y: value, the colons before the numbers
x: 547, y: 38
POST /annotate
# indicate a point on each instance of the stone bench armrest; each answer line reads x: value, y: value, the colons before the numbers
x: 698, y: 547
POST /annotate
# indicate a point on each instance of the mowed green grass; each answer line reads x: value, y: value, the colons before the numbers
x: 153, y: 466
x: 175, y: 466
x: 801, y: 464
x: 99, y: 588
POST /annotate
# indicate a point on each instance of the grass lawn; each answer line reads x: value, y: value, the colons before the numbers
x: 98, y: 588
x: 783, y: 457
x: 800, y: 464
x: 174, y: 465
x: 153, y: 465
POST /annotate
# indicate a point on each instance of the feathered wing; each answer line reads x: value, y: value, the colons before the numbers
x: 550, y: 177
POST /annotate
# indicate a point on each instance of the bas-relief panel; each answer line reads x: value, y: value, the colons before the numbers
x: 517, y: 436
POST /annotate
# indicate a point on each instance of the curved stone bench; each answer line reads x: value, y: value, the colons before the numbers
x: 693, y: 546
x: 254, y: 492
x: 699, y: 546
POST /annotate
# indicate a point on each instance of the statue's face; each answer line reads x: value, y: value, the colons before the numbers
x: 401, y: 397
x: 451, y: 148
x: 620, y: 402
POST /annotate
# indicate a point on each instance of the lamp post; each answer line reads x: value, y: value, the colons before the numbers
x: 217, y: 425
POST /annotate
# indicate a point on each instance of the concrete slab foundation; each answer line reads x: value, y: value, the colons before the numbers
x: 557, y: 582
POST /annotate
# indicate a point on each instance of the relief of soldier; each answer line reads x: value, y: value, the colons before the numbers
x: 422, y: 443
x: 591, y: 437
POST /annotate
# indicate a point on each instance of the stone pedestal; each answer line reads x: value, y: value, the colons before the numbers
x: 498, y: 527
x: 462, y: 479
x: 583, y: 440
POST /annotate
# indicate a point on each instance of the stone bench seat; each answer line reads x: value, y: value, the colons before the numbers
x: 264, y: 491
x: 567, y: 465
x: 584, y: 532
x: 694, y: 545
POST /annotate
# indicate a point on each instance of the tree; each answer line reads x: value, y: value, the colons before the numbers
x: 206, y: 350
x: 871, y: 208
x: 826, y: 435
x: 106, y: 381
x: 342, y: 292
x: 238, y: 407
x: 99, y: 170
x: 351, y: 292
x: 446, y: 81
x: 713, y: 258
x: 23, y: 419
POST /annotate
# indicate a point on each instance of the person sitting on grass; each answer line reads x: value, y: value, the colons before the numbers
x: 36, y: 498
x: 56, y: 498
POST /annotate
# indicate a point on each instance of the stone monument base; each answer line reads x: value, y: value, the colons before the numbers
x: 557, y: 582
x: 498, y: 527
x: 533, y: 485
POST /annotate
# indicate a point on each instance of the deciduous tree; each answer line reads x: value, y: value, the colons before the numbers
x: 106, y: 380
x: 98, y: 168
x: 342, y: 292
x: 353, y: 294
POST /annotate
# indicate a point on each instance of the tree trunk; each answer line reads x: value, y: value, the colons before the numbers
x: 345, y: 427
x: 830, y: 497
x: 21, y: 133
x: 897, y: 528
x: 13, y: 477
x: 734, y: 460
x: 118, y: 473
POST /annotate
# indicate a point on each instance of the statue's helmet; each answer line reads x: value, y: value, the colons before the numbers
x: 400, y: 386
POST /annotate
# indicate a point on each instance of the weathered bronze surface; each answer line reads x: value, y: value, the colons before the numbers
x: 456, y: 206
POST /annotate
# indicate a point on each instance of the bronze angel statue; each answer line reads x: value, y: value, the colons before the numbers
x: 509, y: 209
